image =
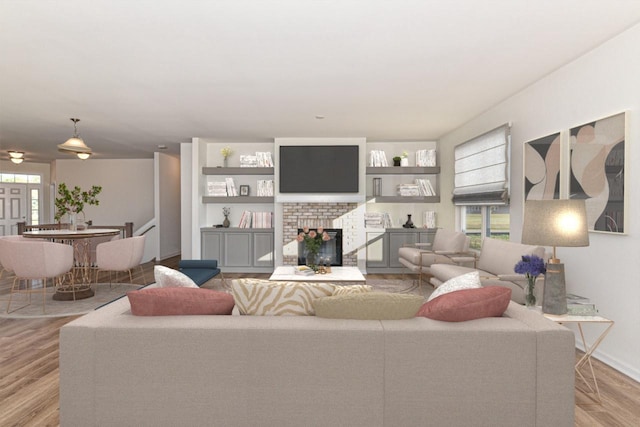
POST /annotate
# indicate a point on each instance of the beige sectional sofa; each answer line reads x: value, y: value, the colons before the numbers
x: 117, y: 369
x: 496, y: 267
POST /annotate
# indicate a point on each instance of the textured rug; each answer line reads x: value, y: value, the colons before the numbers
x: 104, y: 294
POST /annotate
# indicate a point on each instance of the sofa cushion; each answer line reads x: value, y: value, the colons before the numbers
x: 466, y: 281
x: 467, y: 304
x: 369, y: 306
x: 351, y: 289
x: 168, y: 277
x: 449, y: 241
x: 174, y: 301
x: 266, y: 298
x: 500, y: 256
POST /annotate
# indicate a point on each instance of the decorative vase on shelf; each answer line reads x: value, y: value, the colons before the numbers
x: 396, y: 162
x: 404, y: 161
x: 224, y: 163
x: 226, y: 223
x: 530, y: 297
x: 409, y: 223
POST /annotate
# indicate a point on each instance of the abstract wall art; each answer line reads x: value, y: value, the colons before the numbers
x: 597, y: 166
x: 542, y: 168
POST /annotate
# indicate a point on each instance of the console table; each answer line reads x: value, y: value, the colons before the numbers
x: 586, y: 358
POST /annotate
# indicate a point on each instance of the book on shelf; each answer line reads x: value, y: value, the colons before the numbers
x: 250, y: 219
x: 262, y: 159
x: 377, y: 158
x: 425, y: 187
x: 408, y: 190
x: 265, y: 188
x: 217, y: 189
x: 377, y: 220
x: 231, y: 187
x: 426, y: 158
x: 429, y: 219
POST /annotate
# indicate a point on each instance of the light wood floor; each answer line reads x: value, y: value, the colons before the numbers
x: 29, y: 375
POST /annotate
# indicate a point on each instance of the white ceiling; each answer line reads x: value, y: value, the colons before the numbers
x: 143, y: 73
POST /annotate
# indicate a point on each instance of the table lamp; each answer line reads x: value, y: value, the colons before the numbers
x: 555, y: 223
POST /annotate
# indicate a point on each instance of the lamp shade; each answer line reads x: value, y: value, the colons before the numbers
x: 74, y: 145
x: 555, y: 223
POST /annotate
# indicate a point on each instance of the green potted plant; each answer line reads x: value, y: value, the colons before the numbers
x: 397, y: 160
x: 72, y: 202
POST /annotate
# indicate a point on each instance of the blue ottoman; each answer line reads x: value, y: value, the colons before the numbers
x: 199, y: 270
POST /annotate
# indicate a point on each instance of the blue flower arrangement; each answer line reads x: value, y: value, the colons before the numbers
x: 531, y: 266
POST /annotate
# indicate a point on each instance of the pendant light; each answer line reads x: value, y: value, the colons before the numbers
x: 16, y: 157
x: 75, y: 144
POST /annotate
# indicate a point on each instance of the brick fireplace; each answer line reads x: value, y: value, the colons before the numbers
x: 327, y: 215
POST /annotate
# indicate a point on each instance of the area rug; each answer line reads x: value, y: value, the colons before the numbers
x: 104, y: 294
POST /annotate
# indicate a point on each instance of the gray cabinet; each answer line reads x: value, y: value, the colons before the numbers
x: 239, y: 250
x: 383, y: 246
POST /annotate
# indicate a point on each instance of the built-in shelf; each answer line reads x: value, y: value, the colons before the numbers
x: 237, y: 199
x: 405, y: 199
x: 403, y: 170
x: 207, y: 170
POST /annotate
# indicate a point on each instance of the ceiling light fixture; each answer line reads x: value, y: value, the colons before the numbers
x: 83, y: 156
x: 16, y: 157
x: 16, y: 154
x: 75, y: 144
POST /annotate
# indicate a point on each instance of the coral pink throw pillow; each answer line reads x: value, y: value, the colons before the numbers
x: 467, y: 304
x: 176, y: 301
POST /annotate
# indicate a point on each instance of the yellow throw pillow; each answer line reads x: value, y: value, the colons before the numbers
x: 369, y: 306
x: 265, y: 298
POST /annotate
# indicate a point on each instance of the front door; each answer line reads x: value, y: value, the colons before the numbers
x: 13, y: 207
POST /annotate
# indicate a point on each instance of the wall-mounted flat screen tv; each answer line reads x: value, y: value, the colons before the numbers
x: 319, y: 169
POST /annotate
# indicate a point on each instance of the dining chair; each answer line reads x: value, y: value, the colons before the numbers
x: 37, y: 260
x: 120, y: 255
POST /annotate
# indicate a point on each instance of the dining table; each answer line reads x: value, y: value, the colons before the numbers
x: 78, y: 284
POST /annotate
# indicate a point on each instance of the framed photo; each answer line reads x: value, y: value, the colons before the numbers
x: 597, y: 171
x: 244, y: 190
x: 542, y: 168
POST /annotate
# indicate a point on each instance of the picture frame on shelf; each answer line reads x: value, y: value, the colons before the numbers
x: 244, y: 190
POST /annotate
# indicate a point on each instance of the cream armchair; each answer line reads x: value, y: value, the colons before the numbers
x: 37, y: 260
x: 120, y: 255
x: 449, y: 247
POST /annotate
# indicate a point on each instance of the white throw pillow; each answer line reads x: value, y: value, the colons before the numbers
x: 466, y: 281
x: 168, y: 278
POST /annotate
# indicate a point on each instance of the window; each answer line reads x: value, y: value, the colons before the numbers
x: 34, y: 194
x: 481, y: 187
x: 479, y: 222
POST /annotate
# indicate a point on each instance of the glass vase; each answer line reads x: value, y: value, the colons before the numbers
x: 311, y: 260
x: 73, y: 221
x: 530, y: 297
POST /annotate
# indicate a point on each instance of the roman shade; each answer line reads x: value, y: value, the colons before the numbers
x: 481, y: 168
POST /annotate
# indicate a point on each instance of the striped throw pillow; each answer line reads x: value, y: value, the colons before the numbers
x: 260, y: 298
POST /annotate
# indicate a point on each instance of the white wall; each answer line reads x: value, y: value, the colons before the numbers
x: 167, y: 208
x: 601, y: 83
x: 127, y: 188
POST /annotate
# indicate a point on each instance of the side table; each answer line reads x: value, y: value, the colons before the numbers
x: 588, y: 350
